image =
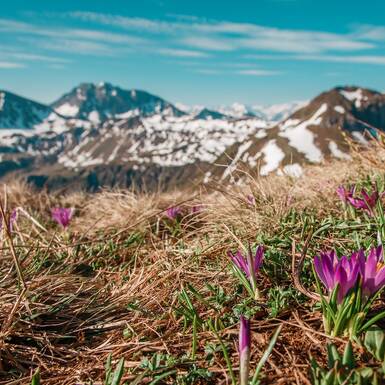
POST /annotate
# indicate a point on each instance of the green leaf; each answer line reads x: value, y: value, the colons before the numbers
x: 333, y: 355
x: 108, y: 368
x: 375, y: 342
x: 36, y: 377
x: 266, y: 355
x: 348, y: 357
x: 118, y: 373
x: 372, y: 321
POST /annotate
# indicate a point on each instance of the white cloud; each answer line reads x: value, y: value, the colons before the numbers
x: 192, y: 37
x: 358, y: 59
x: 370, y: 32
x: 10, y: 65
x: 254, y: 72
x: 29, y: 29
x: 234, y: 71
x: 82, y: 47
x: 223, y: 35
x: 206, y: 43
x: 182, y: 53
x: 207, y: 71
x: 6, y: 54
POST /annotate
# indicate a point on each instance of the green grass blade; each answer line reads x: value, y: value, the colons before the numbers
x: 265, y: 356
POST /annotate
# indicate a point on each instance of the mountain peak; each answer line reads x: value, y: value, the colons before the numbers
x: 104, y: 101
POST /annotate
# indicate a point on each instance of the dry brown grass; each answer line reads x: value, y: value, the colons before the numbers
x: 75, y: 310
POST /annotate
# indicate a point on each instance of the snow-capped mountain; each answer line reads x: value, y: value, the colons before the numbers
x: 103, y: 101
x: 271, y: 113
x: 103, y: 135
x: 312, y: 133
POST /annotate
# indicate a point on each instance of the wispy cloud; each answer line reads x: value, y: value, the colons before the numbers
x: 253, y: 72
x: 10, y: 65
x: 182, y: 53
x: 81, y: 47
x: 235, y: 71
x: 370, y: 32
x: 207, y: 71
x: 354, y: 59
x: 189, y: 37
x: 219, y: 35
x: 7, y: 53
x: 70, y: 40
x: 206, y: 43
x: 29, y: 29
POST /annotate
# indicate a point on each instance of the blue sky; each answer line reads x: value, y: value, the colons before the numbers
x: 196, y: 52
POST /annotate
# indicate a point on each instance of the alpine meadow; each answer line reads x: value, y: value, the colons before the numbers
x: 192, y: 193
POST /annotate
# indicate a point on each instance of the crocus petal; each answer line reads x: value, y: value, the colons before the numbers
x: 379, y: 281
x: 341, y: 192
x: 244, y: 334
x: 320, y: 272
x: 240, y: 261
x: 328, y: 270
x: 258, y: 259
x: 371, y: 264
x: 341, y: 279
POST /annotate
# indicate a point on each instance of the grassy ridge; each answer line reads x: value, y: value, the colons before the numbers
x: 126, y: 281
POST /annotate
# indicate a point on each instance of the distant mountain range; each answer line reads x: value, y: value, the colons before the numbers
x: 102, y: 135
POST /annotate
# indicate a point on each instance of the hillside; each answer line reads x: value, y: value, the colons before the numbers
x: 124, y: 279
x: 311, y: 134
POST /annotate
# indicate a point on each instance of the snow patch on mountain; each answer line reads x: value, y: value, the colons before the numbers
x: 67, y: 109
x: 272, y: 113
x: 273, y: 156
x: 301, y: 138
x: 336, y: 152
x: 339, y: 109
x: 355, y: 96
x: 2, y: 100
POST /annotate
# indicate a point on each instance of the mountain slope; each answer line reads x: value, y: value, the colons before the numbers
x: 312, y: 133
x: 22, y: 113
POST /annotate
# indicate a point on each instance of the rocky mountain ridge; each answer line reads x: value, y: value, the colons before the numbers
x: 102, y: 135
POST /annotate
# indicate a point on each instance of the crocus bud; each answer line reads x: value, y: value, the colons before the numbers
x: 244, y: 351
x: 62, y: 216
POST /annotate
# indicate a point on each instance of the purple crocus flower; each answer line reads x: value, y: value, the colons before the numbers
x: 249, y: 266
x: 173, y: 212
x: 344, y: 193
x: 250, y: 200
x: 333, y: 271
x: 11, y: 221
x: 244, y: 263
x: 196, y: 209
x: 367, y: 202
x: 244, y: 350
x: 62, y: 216
x: 372, y: 271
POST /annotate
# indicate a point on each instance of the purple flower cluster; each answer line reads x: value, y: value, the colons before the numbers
x: 347, y: 272
x: 173, y: 212
x: 364, y: 201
